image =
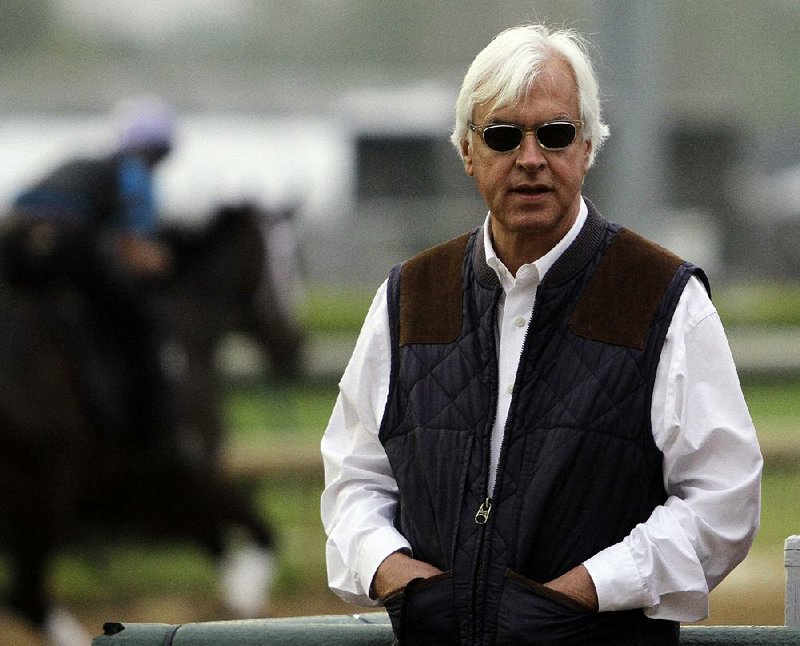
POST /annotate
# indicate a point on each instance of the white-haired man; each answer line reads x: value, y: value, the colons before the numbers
x: 540, y: 437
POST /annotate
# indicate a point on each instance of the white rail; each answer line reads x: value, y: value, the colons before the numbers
x: 791, y: 553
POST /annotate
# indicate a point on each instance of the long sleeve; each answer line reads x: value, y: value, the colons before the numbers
x: 360, y: 497
x: 137, y: 203
x: 712, y: 474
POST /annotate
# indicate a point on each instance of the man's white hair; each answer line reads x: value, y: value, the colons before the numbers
x: 506, y: 68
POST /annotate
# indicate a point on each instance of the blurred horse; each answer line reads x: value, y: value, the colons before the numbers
x: 62, y: 475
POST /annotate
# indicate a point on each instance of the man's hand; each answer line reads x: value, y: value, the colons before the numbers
x: 144, y: 257
x: 397, y: 570
x: 578, y: 585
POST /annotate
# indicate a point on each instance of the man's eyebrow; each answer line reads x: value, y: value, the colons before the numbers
x: 504, y: 122
x: 497, y: 121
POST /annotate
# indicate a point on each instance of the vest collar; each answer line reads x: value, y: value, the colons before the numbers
x: 570, y: 262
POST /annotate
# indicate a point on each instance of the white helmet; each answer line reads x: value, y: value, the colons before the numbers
x: 144, y: 122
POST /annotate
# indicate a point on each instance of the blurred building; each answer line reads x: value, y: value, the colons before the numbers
x: 345, y: 106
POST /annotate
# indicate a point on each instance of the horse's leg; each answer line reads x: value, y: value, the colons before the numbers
x: 247, y: 569
x: 31, y: 561
x: 27, y: 527
x: 46, y: 486
x: 200, y: 503
x: 44, y: 495
x: 247, y: 574
x: 30, y: 557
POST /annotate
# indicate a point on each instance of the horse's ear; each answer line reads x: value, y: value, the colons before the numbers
x: 286, y: 213
x: 289, y: 212
x: 229, y: 209
x: 232, y: 213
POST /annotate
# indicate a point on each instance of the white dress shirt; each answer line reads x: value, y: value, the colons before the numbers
x: 711, y: 458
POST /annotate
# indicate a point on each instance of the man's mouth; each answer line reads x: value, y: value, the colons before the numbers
x: 531, y: 190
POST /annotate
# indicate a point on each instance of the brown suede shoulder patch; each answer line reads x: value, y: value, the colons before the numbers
x: 623, y: 295
x: 431, y: 294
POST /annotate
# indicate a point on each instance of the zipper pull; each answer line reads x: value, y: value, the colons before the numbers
x: 483, y: 512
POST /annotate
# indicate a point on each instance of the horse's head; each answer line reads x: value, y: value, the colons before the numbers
x: 241, y: 270
x: 224, y: 258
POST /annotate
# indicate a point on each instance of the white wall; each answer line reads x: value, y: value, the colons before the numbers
x: 219, y: 157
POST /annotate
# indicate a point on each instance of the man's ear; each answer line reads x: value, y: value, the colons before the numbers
x: 587, y: 155
x: 466, y: 152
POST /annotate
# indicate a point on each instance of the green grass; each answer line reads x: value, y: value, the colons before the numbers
x: 780, y: 515
x: 339, y: 309
x: 254, y: 412
x: 774, y: 405
x: 775, y: 408
x: 293, y: 506
x: 759, y: 304
x: 130, y: 571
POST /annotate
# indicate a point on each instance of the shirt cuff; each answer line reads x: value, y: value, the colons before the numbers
x: 374, y: 550
x: 616, y: 578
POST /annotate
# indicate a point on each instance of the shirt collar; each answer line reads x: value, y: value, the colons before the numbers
x: 534, y: 272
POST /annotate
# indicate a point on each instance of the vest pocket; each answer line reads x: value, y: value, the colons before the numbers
x: 424, y: 612
x: 534, y: 615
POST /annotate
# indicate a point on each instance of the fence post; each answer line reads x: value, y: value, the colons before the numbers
x: 791, y: 552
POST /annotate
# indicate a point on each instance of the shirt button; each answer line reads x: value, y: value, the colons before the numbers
x: 510, y: 388
x: 519, y: 321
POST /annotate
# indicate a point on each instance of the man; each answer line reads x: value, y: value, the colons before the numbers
x: 540, y: 437
x: 89, y: 227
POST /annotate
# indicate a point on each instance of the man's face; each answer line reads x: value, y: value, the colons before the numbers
x: 533, y: 194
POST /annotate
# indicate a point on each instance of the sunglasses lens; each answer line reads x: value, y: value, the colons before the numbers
x: 555, y: 136
x: 502, y: 138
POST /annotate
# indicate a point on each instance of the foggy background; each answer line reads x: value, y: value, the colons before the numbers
x: 343, y: 108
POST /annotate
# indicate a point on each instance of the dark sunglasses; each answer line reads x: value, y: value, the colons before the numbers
x: 505, y: 137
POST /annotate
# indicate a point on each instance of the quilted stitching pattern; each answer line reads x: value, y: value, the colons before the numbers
x: 578, y: 467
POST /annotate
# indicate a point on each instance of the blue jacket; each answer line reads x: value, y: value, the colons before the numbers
x: 114, y: 191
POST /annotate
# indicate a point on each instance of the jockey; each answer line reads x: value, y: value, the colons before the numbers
x: 90, y: 226
x: 112, y: 194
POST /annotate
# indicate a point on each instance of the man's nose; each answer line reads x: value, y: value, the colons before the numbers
x: 530, y: 154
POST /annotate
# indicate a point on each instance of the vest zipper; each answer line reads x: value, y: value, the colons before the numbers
x: 481, y: 518
x: 482, y: 515
x: 484, y: 510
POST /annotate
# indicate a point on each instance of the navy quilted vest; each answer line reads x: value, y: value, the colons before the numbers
x: 578, y: 468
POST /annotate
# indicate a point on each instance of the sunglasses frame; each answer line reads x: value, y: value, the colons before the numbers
x: 577, y: 124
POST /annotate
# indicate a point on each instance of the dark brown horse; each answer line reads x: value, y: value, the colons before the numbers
x: 62, y: 474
